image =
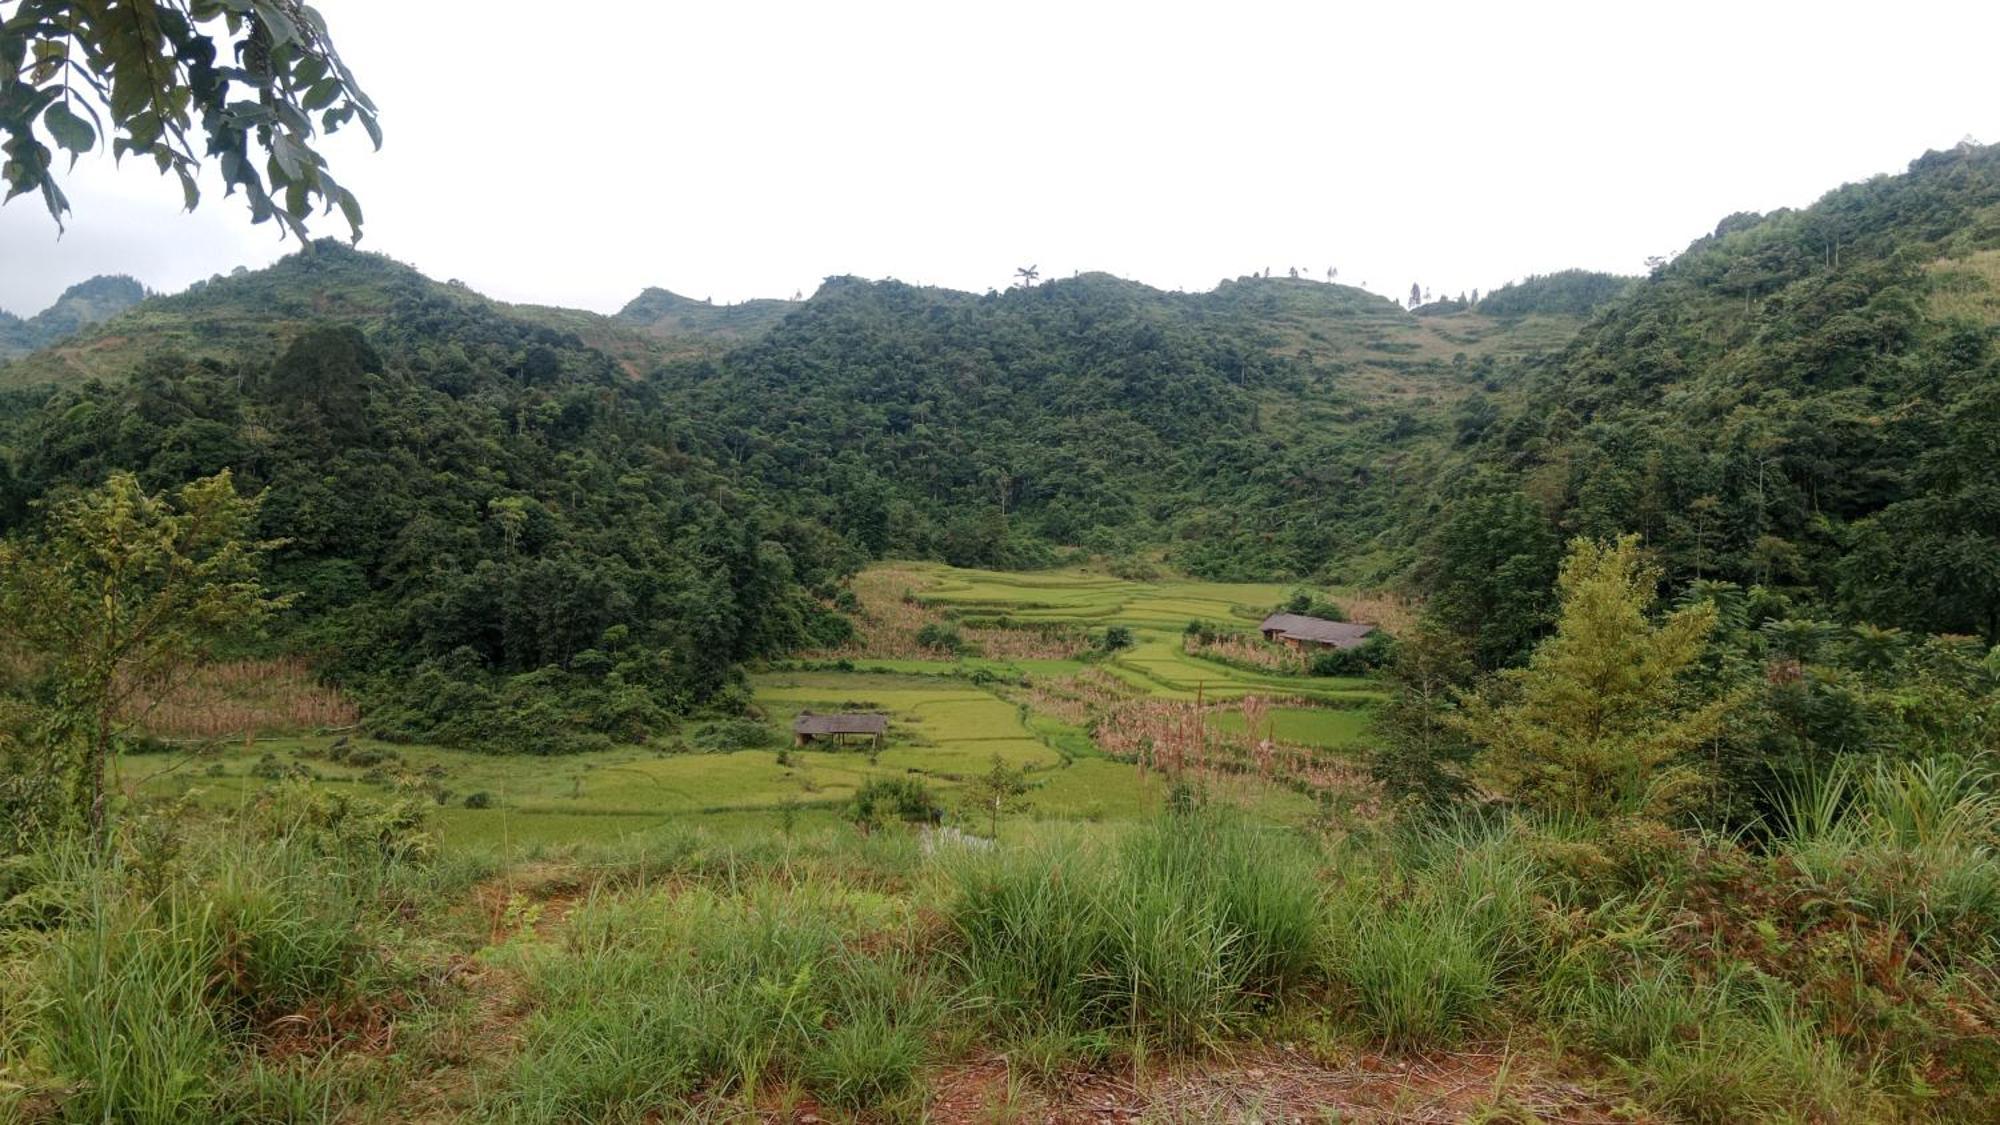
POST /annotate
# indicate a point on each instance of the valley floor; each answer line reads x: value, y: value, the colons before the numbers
x: 1022, y: 697
x: 1195, y: 912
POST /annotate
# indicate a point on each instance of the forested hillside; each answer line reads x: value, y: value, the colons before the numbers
x: 1264, y: 429
x: 702, y: 325
x: 494, y: 531
x: 90, y: 335
x: 1802, y: 402
x: 1805, y: 401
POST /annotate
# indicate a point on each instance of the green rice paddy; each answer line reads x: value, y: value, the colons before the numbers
x: 946, y: 726
x: 1156, y: 612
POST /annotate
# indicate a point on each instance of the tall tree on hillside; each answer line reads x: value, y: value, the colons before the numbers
x: 1488, y: 570
x: 1933, y: 560
x: 1601, y: 720
x: 1027, y: 275
x: 1331, y: 273
x: 118, y: 597
x: 250, y: 83
x: 1416, y: 295
x: 1421, y: 754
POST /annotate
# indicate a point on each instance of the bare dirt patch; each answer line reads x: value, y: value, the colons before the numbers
x: 1275, y: 1086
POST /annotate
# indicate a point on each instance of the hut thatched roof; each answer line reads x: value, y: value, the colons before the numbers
x: 1316, y: 630
x: 848, y: 723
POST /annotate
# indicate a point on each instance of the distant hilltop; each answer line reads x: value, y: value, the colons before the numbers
x: 81, y: 305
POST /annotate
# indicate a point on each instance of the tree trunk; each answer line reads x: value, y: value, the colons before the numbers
x: 95, y: 760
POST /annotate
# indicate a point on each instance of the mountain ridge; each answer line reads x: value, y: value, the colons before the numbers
x: 81, y: 305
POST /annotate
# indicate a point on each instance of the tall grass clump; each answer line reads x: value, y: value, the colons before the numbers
x: 1191, y: 924
x: 1917, y: 844
x: 154, y: 967
x: 1743, y: 1060
x: 1427, y: 946
x: 656, y: 999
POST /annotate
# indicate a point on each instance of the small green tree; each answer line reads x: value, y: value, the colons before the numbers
x: 1115, y: 638
x: 1600, y: 720
x: 1421, y: 754
x: 1002, y: 789
x: 121, y: 593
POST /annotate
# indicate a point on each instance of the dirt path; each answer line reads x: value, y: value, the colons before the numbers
x: 1278, y: 1086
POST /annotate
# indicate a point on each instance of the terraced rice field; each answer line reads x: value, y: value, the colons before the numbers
x: 947, y: 724
x: 1156, y: 612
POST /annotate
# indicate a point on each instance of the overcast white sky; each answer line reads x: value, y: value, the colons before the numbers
x: 575, y: 153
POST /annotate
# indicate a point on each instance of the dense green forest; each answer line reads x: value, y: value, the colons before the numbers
x: 1270, y: 427
x: 1576, y: 292
x: 494, y: 532
x: 1801, y: 401
x: 1801, y: 404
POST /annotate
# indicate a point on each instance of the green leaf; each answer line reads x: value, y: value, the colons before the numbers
x: 320, y: 95
x: 291, y: 156
x: 70, y: 131
x: 310, y: 71
x: 190, y: 193
x: 350, y: 209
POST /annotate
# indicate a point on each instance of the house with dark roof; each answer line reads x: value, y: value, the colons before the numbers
x: 809, y: 728
x: 1302, y: 632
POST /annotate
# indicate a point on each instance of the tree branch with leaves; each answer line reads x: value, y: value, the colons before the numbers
x: 249, y: 84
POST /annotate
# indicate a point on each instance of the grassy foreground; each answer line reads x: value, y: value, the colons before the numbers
x: 328, y: 928
x: 316, y: 958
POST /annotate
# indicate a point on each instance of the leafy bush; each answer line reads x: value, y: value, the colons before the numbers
x: 724, y: 735
x: 1365, y: 658
x: 1310, y: 604
x: 339, y: 825
x: 888, y: 800
x: 940, y: 636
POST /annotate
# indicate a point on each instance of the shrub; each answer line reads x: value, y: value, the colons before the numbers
x: 479, y: 800
x: 1310, y: 604
x: 1201, y: 632
x: 338, y: 825
x: 270, y: 767
x: 1363, y: 659
x: 887, y: 800
x: 1115, y: 638
x: 725, y: 735
x: 939, y: 636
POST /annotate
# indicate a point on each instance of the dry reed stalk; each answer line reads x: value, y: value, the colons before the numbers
x: 248, y: 697
x: 1388, y: 611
